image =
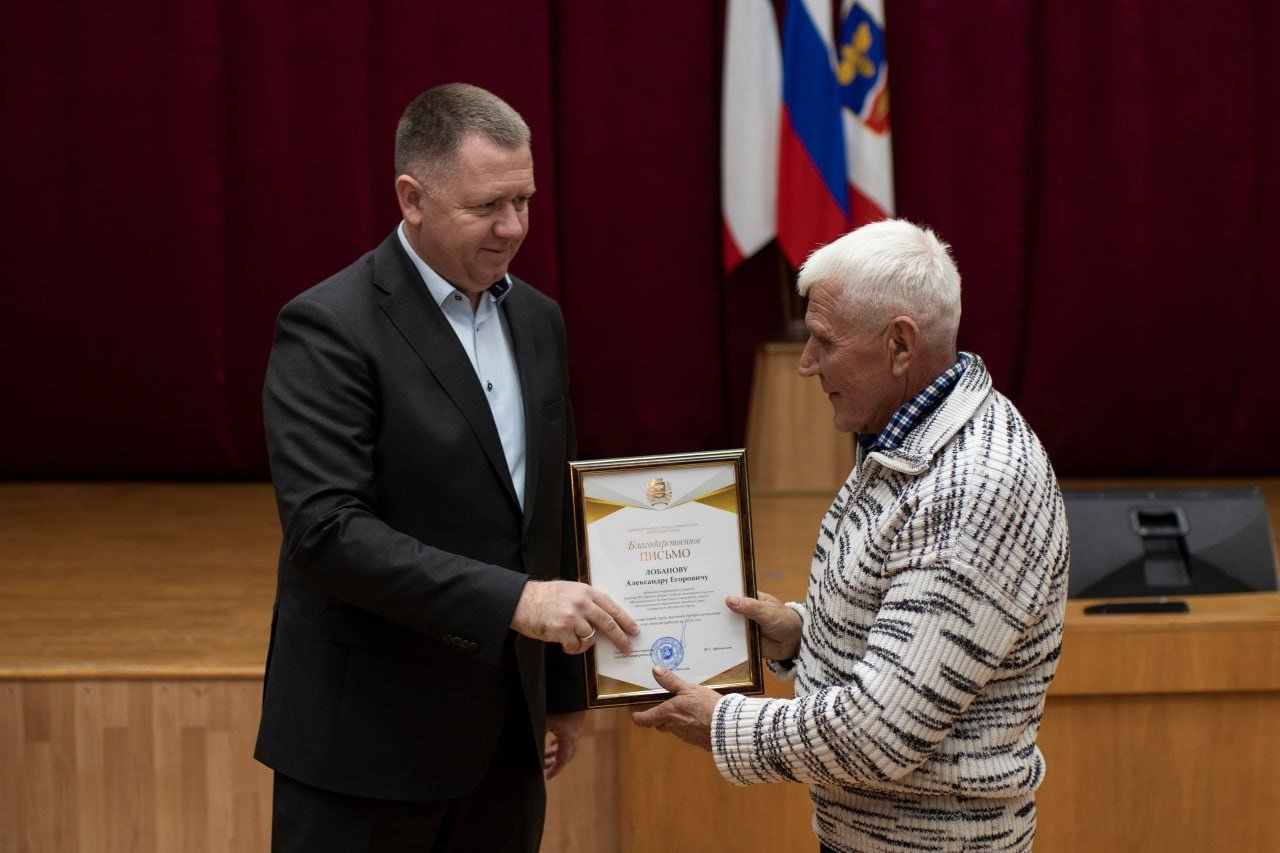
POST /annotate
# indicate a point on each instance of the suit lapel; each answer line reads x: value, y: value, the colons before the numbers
x: 526, y: 354
x: 409, y: 306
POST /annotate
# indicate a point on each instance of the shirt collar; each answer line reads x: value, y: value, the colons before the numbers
x: 914, y: 410
x: 440, y: 289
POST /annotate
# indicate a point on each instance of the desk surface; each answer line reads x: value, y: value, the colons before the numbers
x: 137, y: 580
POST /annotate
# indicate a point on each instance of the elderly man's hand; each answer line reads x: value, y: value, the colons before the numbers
x: 780, y: 626
x: 687, y: 714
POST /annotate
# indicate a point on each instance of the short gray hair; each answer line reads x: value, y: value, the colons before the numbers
x: 436, y: 122
x: 886, y: 269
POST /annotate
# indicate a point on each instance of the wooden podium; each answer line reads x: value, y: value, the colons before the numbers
x: 1162, y: 732
x: 792, y: 445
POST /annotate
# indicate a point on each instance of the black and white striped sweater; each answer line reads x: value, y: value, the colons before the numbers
x: 932, y: 628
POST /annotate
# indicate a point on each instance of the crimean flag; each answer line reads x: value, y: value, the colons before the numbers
x: 751, y: 105
x: 864, y: 94
x: 813, y: 188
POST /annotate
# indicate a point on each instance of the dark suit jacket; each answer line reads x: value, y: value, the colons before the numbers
x: 404, y: 548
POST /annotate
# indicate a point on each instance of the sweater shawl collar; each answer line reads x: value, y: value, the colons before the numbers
x: 935, y: 431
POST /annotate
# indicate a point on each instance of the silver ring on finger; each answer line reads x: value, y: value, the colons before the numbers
x: 588, y: 636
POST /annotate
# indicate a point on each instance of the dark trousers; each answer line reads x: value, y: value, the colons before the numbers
x: 504, y: 813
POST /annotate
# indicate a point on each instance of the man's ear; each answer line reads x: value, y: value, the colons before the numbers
x: 411, y: 195
x: 903, y: 341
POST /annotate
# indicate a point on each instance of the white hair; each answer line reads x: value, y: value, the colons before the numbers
x: 887, y: 269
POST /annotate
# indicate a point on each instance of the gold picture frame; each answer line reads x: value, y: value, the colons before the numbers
x: 668, y: 537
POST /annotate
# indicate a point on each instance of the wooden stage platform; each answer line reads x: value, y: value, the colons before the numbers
x: 134, y: 629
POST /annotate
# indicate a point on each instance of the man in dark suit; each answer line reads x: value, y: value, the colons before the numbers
x: 418, y: 424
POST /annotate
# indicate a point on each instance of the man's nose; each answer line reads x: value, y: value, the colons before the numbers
x: 808, y: 364
x: 509, y: 225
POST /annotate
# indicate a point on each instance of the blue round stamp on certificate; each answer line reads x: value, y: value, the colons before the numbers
x: 667, y: 651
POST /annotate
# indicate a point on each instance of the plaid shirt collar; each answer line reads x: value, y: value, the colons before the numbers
x: 914, y: 410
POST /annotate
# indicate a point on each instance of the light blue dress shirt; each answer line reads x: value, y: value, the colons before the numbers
x: 485, y: 337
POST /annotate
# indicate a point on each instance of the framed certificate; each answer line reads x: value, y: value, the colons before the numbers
x: 668, y: 537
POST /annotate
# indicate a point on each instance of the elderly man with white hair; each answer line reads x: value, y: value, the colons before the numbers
x: 933, y: 619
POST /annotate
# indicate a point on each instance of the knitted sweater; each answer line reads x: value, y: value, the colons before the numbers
x: 932, y: 628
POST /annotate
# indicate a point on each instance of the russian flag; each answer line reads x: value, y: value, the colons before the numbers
x: 813, y: 188
x: 750, y: 109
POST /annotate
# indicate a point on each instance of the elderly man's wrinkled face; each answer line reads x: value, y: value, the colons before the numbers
x: 853, y: 364
x: 470, y: 225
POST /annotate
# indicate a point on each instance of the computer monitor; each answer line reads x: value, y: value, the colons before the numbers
x: 1130, y: 543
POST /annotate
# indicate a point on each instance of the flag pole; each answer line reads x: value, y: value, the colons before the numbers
x: 791, y: 303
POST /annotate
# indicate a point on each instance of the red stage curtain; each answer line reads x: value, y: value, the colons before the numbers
x: 1108, y: 174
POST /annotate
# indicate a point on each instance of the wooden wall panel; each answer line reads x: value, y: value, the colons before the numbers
x: 131, y: 766
x: 1177, y: 773
x: 673, y: 799
x: 1169, y: 772
x: 165, y: 766
x: 582, y: 802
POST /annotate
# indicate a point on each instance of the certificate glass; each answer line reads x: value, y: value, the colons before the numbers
x: 668, y: 537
